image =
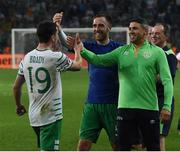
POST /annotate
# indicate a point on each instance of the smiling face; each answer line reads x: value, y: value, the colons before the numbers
x: 101, y: 29
x: 137, y: 33
x: 158, y: 36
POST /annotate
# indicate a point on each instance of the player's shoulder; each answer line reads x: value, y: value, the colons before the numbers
x: 89, y: 43
x: 57, y: 55
x: 92, y: 43
x: 126, y: 47
x: 47, y: 54
x: 157, y: 51
x: 115, y: 44
x: 54, y: 53
x: 30, y: 53
x: 154, y: 48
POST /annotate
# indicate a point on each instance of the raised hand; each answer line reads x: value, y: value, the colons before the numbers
x: 57, y: 18
x: 78, y: 45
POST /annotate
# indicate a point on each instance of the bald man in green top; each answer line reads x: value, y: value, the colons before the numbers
x: 138, y: 65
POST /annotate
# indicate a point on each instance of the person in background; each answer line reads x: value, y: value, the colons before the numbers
x: 40, y: 69
x: 159, y: 35
x: 148, y: 31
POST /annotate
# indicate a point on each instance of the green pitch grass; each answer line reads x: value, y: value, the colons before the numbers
x: 16, y: 134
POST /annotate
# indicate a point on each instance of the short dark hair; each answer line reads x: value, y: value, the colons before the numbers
x: 107, y: 17
x: 45, y: 30
x: 139, y: 20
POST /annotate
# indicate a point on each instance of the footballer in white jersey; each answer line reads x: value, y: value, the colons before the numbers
x: 41, y: 72
x: 40, y: 69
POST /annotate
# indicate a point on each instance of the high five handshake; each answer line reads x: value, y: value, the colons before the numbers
x: 71, y: 42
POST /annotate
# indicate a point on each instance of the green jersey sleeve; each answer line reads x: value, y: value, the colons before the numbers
x: 166, y: 79
x: 108, y: 59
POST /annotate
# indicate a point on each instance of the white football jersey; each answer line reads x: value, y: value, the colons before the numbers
x: 41, y: 70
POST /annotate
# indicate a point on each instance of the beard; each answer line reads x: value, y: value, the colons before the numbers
x: 135, y: 38
x: 100, y: 36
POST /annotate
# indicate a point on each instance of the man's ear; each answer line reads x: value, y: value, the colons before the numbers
x: 53, y: 38
x: 109, y: 27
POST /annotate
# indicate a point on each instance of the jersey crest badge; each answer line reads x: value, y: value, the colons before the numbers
x: 147, y: 54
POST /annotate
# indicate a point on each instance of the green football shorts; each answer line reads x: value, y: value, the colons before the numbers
x: 48, y: 136
x: 95, y: 117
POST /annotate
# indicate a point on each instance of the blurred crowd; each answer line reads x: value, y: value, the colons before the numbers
x: 79, y: 13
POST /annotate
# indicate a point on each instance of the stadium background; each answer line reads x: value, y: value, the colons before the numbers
x: 27, y: 13
x: 15, y: 132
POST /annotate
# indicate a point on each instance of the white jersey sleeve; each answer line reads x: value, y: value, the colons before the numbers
x: 63, y: 63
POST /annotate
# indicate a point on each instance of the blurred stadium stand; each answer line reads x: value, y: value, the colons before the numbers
x: 79, y: 13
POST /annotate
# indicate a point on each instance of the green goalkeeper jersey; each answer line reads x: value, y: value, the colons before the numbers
x: 138, y: 74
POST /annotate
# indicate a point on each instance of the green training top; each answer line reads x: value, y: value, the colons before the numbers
x: 137, y: 74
